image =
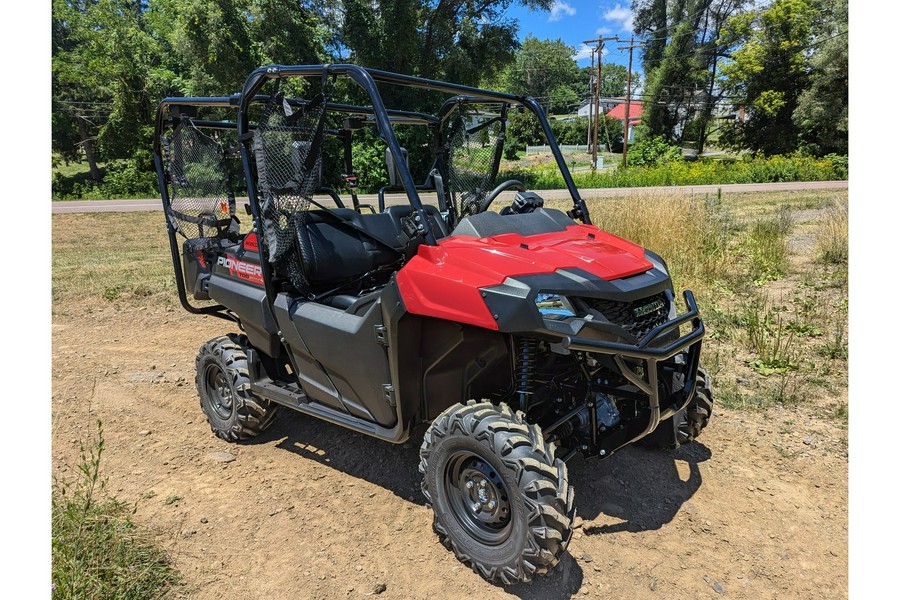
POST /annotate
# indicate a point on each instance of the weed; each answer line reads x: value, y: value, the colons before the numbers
x: 768, y: 338
x: 801, y: 329
x: 786, y: 388
x: 173, y: 499
x: 835, y: 346
x: 111, y: 293
x: 840, y: 412
x: 97, y: 551
x: 766, y: 248
x: 784, y: 453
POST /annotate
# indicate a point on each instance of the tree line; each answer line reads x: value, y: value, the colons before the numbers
x: 781, y: 71
x: 783, y: 67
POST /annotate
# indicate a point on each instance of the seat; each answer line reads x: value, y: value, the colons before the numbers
x: 336, y: 250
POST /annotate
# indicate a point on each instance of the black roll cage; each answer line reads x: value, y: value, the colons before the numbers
x: 376, y: 113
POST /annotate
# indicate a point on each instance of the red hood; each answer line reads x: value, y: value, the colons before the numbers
x: 444, y: 280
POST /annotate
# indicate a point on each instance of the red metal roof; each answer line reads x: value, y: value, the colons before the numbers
x: 618, y: 111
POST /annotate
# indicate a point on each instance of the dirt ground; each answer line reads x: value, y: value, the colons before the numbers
x: 756, y: 509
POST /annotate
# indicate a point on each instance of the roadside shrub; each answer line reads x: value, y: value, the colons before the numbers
x: 679, y: 172
x: 653, y: 152
x: 124, y: 179
x: 570, y: 132
x: 511, y: 148
x: 840, y: 164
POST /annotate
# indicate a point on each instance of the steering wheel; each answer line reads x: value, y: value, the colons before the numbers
x: 509, y: 183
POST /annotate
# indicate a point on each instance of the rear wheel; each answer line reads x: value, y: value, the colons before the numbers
x: 501, y: 501
x: 223, y: 382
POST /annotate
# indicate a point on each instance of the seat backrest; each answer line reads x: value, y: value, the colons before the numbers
x: 335, y: 252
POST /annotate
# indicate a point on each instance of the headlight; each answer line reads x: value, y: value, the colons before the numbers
x: 554, y: 304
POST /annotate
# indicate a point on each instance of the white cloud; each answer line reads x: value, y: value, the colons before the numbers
x: 604, y: 31
x: 583, y: 52
x: 560, y: 10
x: 622, y: 15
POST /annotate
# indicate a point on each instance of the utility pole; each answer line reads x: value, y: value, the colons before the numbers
x: 599, y: 41
x: 630, y: 47
x: 591, y: 113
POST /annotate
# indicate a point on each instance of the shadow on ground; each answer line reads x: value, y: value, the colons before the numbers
x: 643, y: 489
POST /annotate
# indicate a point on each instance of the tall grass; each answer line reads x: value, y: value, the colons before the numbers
x: 766, y: 247
x: 832, y: 242
x: 689, y: 233
x: 97, y: 551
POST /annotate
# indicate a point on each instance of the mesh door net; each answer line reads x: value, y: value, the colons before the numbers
x: 474, y: 146
x: 288, y: 148
x: 201, y: 199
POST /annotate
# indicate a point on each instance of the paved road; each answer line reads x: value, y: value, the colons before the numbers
x: 90, y: 206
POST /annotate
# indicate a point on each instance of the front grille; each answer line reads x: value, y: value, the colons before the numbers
x: 636, y: 317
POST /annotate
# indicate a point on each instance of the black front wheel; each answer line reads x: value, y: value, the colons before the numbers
x: 501, y: 500
x: 696, y: 416
x: 223, y: 382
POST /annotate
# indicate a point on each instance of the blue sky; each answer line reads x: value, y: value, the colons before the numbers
x: 574, y: 21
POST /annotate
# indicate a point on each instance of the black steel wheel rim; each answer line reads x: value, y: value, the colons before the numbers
x: 478, y: 497
x: 221, y: 398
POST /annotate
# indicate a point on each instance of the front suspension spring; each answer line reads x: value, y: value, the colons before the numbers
x: 525, y: 370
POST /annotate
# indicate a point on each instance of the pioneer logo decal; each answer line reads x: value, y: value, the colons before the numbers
x: 247, y: 271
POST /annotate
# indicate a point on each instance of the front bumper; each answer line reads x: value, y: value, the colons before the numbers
x: 649, y: 352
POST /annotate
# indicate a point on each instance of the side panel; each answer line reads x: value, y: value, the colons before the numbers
x: 341, y: 361
x: 236, y: 283
x: 436, y: 363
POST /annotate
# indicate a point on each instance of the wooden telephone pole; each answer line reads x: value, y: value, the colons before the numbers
x: 595, y: 108
x: 630, y: 47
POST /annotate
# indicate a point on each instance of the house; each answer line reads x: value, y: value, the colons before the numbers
x: 606, y: 104
x: 634, y: 115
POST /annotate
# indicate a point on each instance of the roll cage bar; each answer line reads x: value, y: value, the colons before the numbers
x: 376, y: 113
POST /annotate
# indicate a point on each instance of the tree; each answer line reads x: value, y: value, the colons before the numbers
x: 80, y: 98
x: 681, y: 58
x: 106, y: 78
x: 822, y: 109
x: 614, y: 80
x: 768, y: 73
x: 540, y: 67
x: 465, y: 41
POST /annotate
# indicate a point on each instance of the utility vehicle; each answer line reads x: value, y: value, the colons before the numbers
x: 520, y: 336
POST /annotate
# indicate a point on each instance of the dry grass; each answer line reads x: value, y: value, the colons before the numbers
x: 109, y: 257
x: 832, y: 243
x: 689, y: 233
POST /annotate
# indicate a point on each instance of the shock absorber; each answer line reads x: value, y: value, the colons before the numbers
x: 525, y: 370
